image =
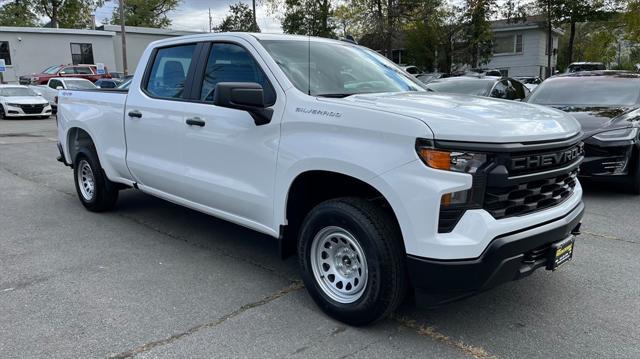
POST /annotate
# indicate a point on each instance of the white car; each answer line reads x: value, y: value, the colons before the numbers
x: 50, y: 90
x: 378, y: 184
x: 21, y: 101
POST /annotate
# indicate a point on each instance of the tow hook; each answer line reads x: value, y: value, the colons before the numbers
x: 576, y: 230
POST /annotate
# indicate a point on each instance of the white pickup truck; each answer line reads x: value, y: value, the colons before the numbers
x: 378, y: 184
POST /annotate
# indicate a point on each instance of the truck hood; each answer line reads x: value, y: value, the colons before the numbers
x: 476, y: 119
x: 25, y: 100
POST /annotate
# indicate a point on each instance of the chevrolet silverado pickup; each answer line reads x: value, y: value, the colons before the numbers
x: 377, y: 184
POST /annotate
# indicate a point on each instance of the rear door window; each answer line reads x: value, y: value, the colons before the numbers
x: 67, y: 71
x: 169, y: 71
x: 84, y: 71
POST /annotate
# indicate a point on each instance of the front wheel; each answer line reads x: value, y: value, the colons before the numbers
x: 352, y: 260
x: 94, y: 189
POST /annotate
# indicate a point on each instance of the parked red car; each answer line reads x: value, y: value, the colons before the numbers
x: 89, y: 72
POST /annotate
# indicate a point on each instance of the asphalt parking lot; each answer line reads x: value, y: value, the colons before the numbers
x: 152, y: 279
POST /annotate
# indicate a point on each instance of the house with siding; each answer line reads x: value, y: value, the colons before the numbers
x: 520, y: 48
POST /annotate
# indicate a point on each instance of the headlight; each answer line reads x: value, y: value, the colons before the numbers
x: 455, y: 161
x: 623, y: 134
x: 13, y: 104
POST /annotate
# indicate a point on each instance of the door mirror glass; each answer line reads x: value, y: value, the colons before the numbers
x: 246, y: 96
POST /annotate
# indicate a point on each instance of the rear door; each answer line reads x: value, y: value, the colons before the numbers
x: 154, y: 119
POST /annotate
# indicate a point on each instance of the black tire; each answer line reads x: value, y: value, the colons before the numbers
x: 3, y: 116
x: 105, y: 193
x: 380, y: 239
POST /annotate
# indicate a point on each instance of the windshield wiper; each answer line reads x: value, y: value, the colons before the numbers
x: 336, y: 95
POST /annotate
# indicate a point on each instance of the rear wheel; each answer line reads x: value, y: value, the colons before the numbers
x: 94, y: 189
x: 352, y: 260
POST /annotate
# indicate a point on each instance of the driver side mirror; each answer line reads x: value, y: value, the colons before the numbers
x: 59, y: 88
x: 246, y: 96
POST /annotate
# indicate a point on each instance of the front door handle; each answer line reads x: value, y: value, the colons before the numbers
x: 135, y: 113
x: 195, y: 121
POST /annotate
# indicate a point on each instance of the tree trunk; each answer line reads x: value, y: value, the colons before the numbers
x: 54, y: 15
x: 572, y: 35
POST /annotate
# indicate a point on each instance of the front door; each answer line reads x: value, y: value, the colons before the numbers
x: 230, y: 162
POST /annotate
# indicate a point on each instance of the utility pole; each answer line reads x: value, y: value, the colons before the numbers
x: 255, y: 22
x: 124, y: 39
x: 549, y: 39
x: 210, y: 24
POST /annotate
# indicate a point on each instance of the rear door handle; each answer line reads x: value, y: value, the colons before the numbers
x: 135, y: 113
x: 195, y: 121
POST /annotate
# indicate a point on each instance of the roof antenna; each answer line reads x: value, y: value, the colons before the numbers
x: 309, y: 62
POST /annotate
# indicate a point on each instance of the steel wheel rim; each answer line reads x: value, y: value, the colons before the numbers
x: 339, y: 264
x: 86, y: 180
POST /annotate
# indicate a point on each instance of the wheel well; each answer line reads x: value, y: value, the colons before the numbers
x: 77, y: 139
x: 313, y: 187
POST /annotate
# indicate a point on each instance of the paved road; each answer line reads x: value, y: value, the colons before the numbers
x: 155, y: 280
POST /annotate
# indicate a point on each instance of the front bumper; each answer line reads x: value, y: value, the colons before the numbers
x: 508, y: 257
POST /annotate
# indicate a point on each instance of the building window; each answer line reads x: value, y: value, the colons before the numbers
x: 81, y: 54
x: 507, y: 44
x: 4, y: 52
x: 397, y: 55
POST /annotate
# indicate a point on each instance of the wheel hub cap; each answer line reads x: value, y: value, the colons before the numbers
x: 86, y: 180
x: 339, y: 264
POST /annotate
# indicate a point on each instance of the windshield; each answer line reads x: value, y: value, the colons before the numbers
x: 467, y: 87
x: 338, y: 70
x: 595, y: 91
x: 51, y: 70
x: 80, y: 85
x: 16, y: 91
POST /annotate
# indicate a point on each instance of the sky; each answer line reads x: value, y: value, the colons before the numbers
x: 194, y: 15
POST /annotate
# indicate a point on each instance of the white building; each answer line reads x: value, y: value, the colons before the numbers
x: 28, y: 50
x: 520, y: 49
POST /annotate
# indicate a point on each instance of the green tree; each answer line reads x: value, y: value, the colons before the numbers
x: 347, y: 21
x: 17, y: 13
x: 308, y: 17
x: 240, y: 18
x: 476, y: 31
x: 422, y: 34
x: 631, y: 19
x: 146, y: 13
x: 67, y: 13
